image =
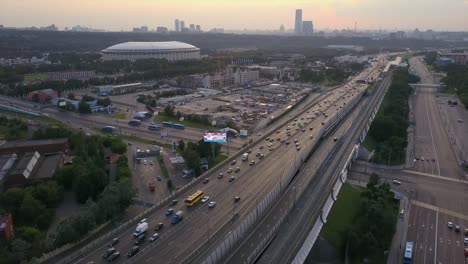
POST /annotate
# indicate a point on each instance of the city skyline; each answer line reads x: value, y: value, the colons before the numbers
x: 256, y: 15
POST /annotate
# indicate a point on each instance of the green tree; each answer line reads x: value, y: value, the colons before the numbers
x: 169, y: 110
x: 181, y: 145
x: 12, y: 199
x: 30, y: 208
x: 71, y: 96
x: 192, y: 159
x: 21, y: 250
x: 84, y: 108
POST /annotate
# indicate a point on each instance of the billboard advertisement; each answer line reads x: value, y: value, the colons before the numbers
x: 219, y: 137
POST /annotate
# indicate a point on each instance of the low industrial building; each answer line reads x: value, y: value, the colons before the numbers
x: 104, y: 90
x: 22, y: 169
x: 452, y: 57
x: 43, y: 96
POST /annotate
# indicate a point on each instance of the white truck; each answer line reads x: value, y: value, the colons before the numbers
x: 140, y: 229
x: 245, y: 156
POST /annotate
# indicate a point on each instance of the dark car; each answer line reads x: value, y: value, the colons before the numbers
x: 140, y: 239
x: 159, y: 226
x: 232, y: 179
x: 134, y: 250
x: 206, y: 180
x: 108, y: 252
x: 113, y: 242
x: 113, y: 256
x: 236, y: 199
x: 169, y: 211
x: 173, y: 202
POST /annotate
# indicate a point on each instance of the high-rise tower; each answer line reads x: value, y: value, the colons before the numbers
x: 177, y: 28
x: 298, y: 24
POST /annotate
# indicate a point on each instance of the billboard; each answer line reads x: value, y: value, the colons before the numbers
x: 219, y: 137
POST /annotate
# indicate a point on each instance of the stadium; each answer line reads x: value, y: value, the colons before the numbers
x: 170, y: 50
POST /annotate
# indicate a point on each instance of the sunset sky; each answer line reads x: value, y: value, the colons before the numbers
x: 238, y: 14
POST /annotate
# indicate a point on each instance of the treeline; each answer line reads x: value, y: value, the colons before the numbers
x: 33, y: 208
x: 374, y: 226
x: 12, y: 128
x: 17, y: 43
x: 457, y: 78
x: 388, y: 130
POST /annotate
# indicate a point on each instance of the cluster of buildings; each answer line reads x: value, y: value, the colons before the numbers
x: 179, y: 26
x: 302, y: 27
x: 225, y: 78
x: 144, y: 29
x: 22, y: 61
x: 444, y: 58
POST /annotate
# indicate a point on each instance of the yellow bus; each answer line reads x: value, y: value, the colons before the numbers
x: 194, y: 198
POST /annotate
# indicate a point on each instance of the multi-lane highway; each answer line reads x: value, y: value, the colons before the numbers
x: 434, y: 204
x: 251, y: 184
x: 316, y: 177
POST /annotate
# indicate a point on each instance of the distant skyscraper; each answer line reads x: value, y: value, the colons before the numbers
x: 182, y: 25
x: 192, y: 27
x: 307, y: 28
x: 177, y: 28
x: 282, y: 28
x: 198, y: 28
x: 298, y: 24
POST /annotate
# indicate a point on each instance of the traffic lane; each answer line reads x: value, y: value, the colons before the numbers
x: 446, y: 157
x: 450, y: 243
x: 421, y: 230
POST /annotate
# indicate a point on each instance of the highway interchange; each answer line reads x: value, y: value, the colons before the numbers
x: 252, y: 183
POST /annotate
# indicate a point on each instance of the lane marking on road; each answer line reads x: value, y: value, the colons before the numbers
x: 439, y: 210
x: 435, y: 176
x: 435, y: 239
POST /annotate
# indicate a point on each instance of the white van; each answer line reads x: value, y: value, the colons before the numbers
x: 245, y: 156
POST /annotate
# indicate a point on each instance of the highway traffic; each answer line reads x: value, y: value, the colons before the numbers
x: 252, y: 179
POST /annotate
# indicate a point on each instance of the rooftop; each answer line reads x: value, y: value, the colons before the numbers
x: 20, y: 143
x: 167, y: 45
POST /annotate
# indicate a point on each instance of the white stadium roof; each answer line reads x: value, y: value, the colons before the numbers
x: 140, y: 46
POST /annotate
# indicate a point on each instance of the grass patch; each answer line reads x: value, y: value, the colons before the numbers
x: 163, y: 118
x: 341, y: 216
x: 219, y: 158
x: 119, y: 116
x: 34, y: 77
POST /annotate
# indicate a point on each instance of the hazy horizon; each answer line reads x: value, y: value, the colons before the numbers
x: 450, y: 15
